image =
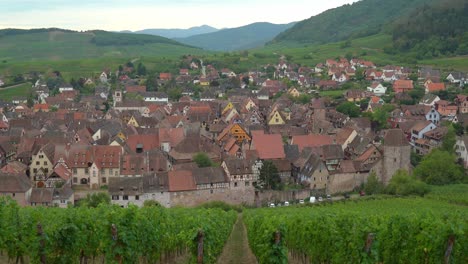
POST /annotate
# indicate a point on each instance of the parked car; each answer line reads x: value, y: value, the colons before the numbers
x: 362, y: 193
x: 286, y: 203
x: 312, y: 199
x: 302, y: 201
x: 329, y: 197
x: 320, y: 199
x: 272, y: 205
x: 347, y: 196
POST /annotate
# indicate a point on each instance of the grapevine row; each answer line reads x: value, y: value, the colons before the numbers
x: 131, y: 235
x: 366, y: 232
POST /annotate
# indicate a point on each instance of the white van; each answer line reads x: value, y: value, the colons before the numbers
x: 312, y: 199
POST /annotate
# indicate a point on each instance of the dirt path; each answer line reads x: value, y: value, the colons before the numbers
x: 11, y: 87
x: 237, y: 248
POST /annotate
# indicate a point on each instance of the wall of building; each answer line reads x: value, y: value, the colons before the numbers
x: 230, y: 196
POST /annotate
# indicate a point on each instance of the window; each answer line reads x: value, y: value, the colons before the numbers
x: 125, y: 197
x: 235, y: 184
x: 45, y: 163
x: 41, y: 156
x: 104, y: 180
x: 62, y: 201
x: 247, y: 184
x: 46, y: 170
x: 94, y: 173
x: 137, y: 197
x: 111, y: 171
x: 115, y: 197
x: 35, y: 170
x: 75, y: 179
x: 86, y: 170
x: 394, y: 160
x: 211, y: 191
x: 103, y: 171
x: 13, y: 194
x: 37, y: 163
x: 75, y: 171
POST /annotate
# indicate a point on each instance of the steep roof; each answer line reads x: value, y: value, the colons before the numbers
x: 395, y: 138
x: 181, y: 180
x: 14, y: 183
x: 311, y: 140
x: 268, y: 146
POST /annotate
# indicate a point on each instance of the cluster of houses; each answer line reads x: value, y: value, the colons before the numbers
x: 143, y: 147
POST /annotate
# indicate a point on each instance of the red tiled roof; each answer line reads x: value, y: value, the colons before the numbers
x: 62, y: 172
x: 149, y: 141
x: 165, y: 76
x: 434, y: 87
x: 268, y: 146
x: 402, y: 85
x: 181, y: 180
x: 41, y: 107
x: 312, y: 140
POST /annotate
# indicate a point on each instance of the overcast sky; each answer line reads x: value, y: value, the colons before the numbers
x: 142, y: 14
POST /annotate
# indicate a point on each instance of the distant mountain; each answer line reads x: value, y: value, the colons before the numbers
x: 178, y: 33
x: 363, y: 18
x: 57, y: 44
x: 246, y: 37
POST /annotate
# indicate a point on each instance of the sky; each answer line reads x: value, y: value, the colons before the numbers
x: 116, y: 15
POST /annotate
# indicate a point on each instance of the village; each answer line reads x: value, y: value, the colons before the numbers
x: 205, y: 133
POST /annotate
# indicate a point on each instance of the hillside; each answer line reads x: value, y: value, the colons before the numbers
x: 58, y: 44
x: 363, y: 18
x: 176, y: 32
x: 246, y: 37
x: 433, y: 30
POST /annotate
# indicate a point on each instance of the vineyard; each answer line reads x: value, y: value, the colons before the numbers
x: 395, y: 230
x: 113, y: 234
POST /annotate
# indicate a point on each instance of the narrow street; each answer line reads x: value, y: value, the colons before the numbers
x: 237, y: 248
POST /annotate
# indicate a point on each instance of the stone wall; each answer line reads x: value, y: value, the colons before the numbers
x: 265, y: 197
x: 345, y: 182
x: 230, y: 196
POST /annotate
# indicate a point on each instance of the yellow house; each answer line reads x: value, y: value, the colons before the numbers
x: 250, y: 104
x: 133, y: 122
x: 276, y: 118
x: 294, y: 92
x: 228, y: 107
x: 204, y: 82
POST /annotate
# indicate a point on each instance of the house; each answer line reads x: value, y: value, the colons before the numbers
x: 268, y: 146
x: 276, y: 118
x: 2, y: 83
x: 311, y: 170
x: 242, y: 173
x: 294, y: 92
x: 419, y: 129
x: 377, y: 88
x: 103, y: 77
x: 16, y: 186
x: 434, y: 87
x: 445, y: 108
x: 430, y: 99
x: 136, y: 190
x: 462, y: 103
x: 458, y: 77
x: 401, y: 86
x: 236, y: 131
x: 42, y: 164
x: 159, y: 97
x: 461, y: 149
x: 327, y: 84
x: 165, y: 76
x: 65, y: 88
x: 311, y: 140
x: 184, y: 72
x: 340, y: 77
x: 356, y: 95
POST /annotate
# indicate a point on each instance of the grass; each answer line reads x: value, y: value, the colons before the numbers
x: 455, y: 194
x: 332, y: 93
x: 236, y: 249
x: 21, y: 90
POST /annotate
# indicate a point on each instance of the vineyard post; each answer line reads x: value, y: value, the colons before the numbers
x: 115, y: 237
x: 448, y: 251
x: 200, y: 237
x: 40, y: 234
x: 369, y: 241
x: 277, y: 237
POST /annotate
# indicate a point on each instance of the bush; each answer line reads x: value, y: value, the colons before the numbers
x: 222, y: 205
x: 404, y: 184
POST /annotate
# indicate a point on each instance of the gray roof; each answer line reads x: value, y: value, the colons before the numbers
x: 14, y: 183
x: 209, y: 175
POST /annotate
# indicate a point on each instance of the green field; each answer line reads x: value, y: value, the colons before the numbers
x: 21, y: 90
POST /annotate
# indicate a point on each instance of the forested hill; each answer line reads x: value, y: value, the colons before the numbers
x: 433, y: 30
x: 363, y: 18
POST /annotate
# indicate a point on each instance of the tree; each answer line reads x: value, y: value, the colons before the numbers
x: 439, y: 168
x: 141, y: 69
x: 95, y: 199
x: 349, y: 108
x: 449, y: 140
x: 202, y: 160
x: 373, y: 185
x: 30, y: 101
x: 269, y: 176
x: 381, y: 115
x: 404, y: 184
